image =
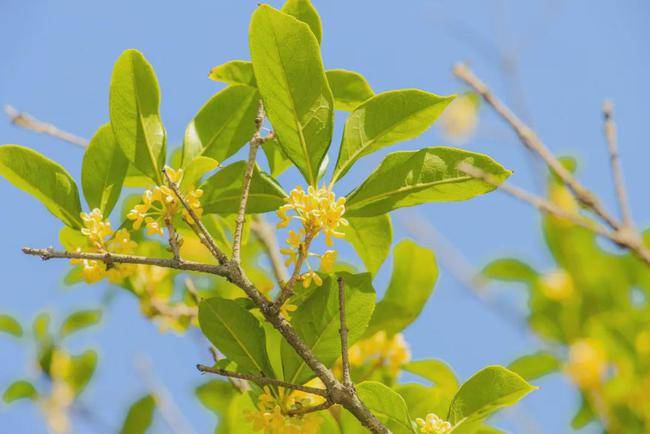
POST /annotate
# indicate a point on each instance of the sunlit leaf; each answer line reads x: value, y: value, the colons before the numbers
x: 305, y: 12
x: 349, y: 88
x: 371, y: 238
x: 79, y: 320
x: 387, y: 405
x: 21, y: 389
x: 10, y: 325
x: 82, y: 369
x: 510, y: 269
x: 140, y: 415
x: 234, y: 72
x: 436, y: 371
x: 533, y: 366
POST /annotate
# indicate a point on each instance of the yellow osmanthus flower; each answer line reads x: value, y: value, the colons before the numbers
x: 327, y: 261
x: 459, y: 120
x: 318, y: 210
x: 557, y: 285
x: 587, y: 363
x: 433, y: 424
x: 160, y: 205
x: 271, y: 417
x: 286, y: 310
x: 101, y: 239
x: 379, y: 350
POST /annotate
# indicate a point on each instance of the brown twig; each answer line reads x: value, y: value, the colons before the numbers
x: 287, y: 290
x: 343, y: 332
x: 263, y: 380
x: 306, y: 410
x: 27, y: 121
x: 174, y: 239
x: 265, y: 233
x: 617, y: 171
x: 255, y: 143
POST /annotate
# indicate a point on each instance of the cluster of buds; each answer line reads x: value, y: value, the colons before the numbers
x: 379, y: 350
x: 433, y: 424
x: 318, y: 210
x: 160, y: 205
x: 101, y: 239
x: 587, y: 363
x: 271, y: 415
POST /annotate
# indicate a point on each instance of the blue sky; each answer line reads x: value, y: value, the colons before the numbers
x: 569, y: 56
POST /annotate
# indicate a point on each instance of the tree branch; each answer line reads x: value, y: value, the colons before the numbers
x: 287, y: 290
x: 265, y: 233
x: 263, y: 380
x: 255, y: 143
x: 343, y: 332
x: 305, y: 410
x: 27, y: 121
x: 617, y: 171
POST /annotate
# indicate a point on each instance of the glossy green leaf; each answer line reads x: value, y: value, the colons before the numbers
x: 216, y: 395
x: 236, y: 333
x: 436, y: 371
x: 21, y: 389
x: 317, y: 322
x: 44, y: 179
x: 222, y: 191
x: 371, y: 238
x: 387, y: 405
x: 195, y: 170
x: 487, y: 391
x: 136, y: 179
x: 10, y: 325
x: 79, y: 320
x: 234, y: 72
x: 103, y: 171
x: 82, y: 369
x: 386, y: 119
x: 290, y: 77
x: 414, y: 275
x: 304, y: 11
x: 533, y: 366
x: 140, y: 416
x: 350, y: 89
x: 510, y: 270
x: 422, y: 400
x: 278, y: 161
x: 134, y: 107
x: 223, y: 125
x: 71, y: 239
x: 414, y: 177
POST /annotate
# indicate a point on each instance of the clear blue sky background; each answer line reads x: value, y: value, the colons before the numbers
x: 56, y: 62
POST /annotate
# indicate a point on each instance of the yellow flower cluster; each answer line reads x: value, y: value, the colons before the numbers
x: 271, y: 417
x: 587, y: 363
x: 160, y: 205
x: 380, y: 350
x: 433, y: 424
x: 102, y: 239
x: 318, y: 210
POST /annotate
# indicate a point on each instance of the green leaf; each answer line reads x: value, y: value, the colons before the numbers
x: 236, y: 333
x: 195, y: 170
x: 234, y: 72
x: 216, y: 395
x: 317, y: 322
x: 422, y: 400
x: 223, y: 125
x: 44, y: 179
x: 487, y: 391
x: 533, y: 366
x: 414, y: 177
x: 83, y: 368
x: 414, y: 275
x: 103, y: 171
x: 292, y: 82
x: 41, y: 326
x: 510, y: 270
x: 222, y: 191
x: 387, y: 405
x: 305, y: 12
x: 386, y: 119
x: 140, y: 415
x: 10, y: 325
x: 278, y: 161
x: 350, y: 88
x: 79, y: 320
x: 134, y: 106
x: 371, y: 238
x: 436, y: 371
x: 21, y: 389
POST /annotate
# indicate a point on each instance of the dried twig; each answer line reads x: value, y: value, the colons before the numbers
x: 27, y: 121
x: 343, y: 332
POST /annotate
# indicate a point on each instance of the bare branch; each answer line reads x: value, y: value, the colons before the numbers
x: 343, y: 332
x: 533, y: 142
x: 238, y: 383
x: 305, y: 410
x: 287, y: 290
x: 266, y: 234
x: 27, y: 121
x: 196, y: 224
x: 617, y: 171
x: 174, y: 238
x: 263, y: 380
x: 255, y: 143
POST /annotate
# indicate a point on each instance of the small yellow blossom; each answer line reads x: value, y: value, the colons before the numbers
x: 175, y: 176
x: 328, y: 260
x: 433, y: 424
x: 308, y: 277
x: 379, y: 350
x: 271, y: 415
x: 557, y: 285
x: 95, y: 228
x: 286, y: 310
x: 587, y: 363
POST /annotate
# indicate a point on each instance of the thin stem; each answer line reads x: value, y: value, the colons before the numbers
x: 27, y: 121
x: 265, y: 233
x: 617, y: 171
x: 287, y: 290
x: 174, y: 239
x: 263, y: 380
x: 306, y: 410
x: 255, y: 143
x: 343, y: 332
